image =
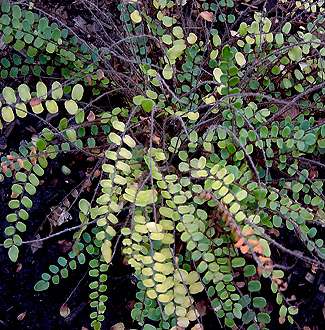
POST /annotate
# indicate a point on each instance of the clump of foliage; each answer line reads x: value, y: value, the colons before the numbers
x: 212, y: 156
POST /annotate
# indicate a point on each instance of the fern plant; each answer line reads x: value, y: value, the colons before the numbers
x: 213, y: 156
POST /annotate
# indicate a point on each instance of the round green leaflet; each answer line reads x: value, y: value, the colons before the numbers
x: 77, y: 92
x: 51, y: 106
x: 13, y: 253
x: 7, y: 114
x: 57, y: 91
x: 168, y: 72
x: 240, y: 59
x: 41, y: 90
x: 84, y: 206
x: 50, y: 48
x: 9, y: 95
x: 136, y: 17
x: 254, y: 286
x: 71, y: 106
x: 41, y: 285
x: 24, y: 92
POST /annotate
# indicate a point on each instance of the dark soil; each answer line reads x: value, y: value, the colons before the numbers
x: 20, y: 306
